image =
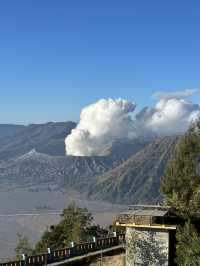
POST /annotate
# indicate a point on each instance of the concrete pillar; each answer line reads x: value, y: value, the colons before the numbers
x: 147, y: 247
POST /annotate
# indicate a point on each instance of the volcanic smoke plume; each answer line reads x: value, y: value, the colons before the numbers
x: 110, y: 120
x: 100, y: 124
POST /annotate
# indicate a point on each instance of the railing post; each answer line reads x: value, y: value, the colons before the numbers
x: 94, y: 241
x: 24, y: 259
x: 48, y: 256
x: 72, y: 248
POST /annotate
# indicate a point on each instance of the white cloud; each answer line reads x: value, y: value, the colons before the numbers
x: 172, y: 116
x: 175, y: 95
x: 109, y: 120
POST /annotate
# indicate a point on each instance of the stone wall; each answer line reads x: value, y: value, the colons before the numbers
x: 147, y: 247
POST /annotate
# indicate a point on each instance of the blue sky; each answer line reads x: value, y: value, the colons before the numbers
x: 58, y: 56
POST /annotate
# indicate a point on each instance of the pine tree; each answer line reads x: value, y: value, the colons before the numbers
x: 181, y: 189
x: 181, y: 183
x: 188, y: 246
x: 74, y: 226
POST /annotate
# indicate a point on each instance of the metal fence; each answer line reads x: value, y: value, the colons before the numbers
x: 66, y: 253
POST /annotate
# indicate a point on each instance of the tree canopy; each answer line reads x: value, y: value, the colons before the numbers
x: 181, y: 183
x: 73, y: 226
x: 188, y: 245
x: 181, y: 189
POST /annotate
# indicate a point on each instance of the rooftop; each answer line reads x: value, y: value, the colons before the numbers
x: 154, y: 216
x: 148, y: 210
x: 157, y: 213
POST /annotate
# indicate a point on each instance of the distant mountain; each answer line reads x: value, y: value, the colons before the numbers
x: 130, y: 172
x: 36, y: 154
x: 37, y: 168
x: 8, y: 130
x: 45, y: 138
x: 123, y: 149
x: 138, y: 178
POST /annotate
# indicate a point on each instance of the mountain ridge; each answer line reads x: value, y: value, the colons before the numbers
x: 129, y: 173
x: 138, y: 178
x: 47, y: 138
